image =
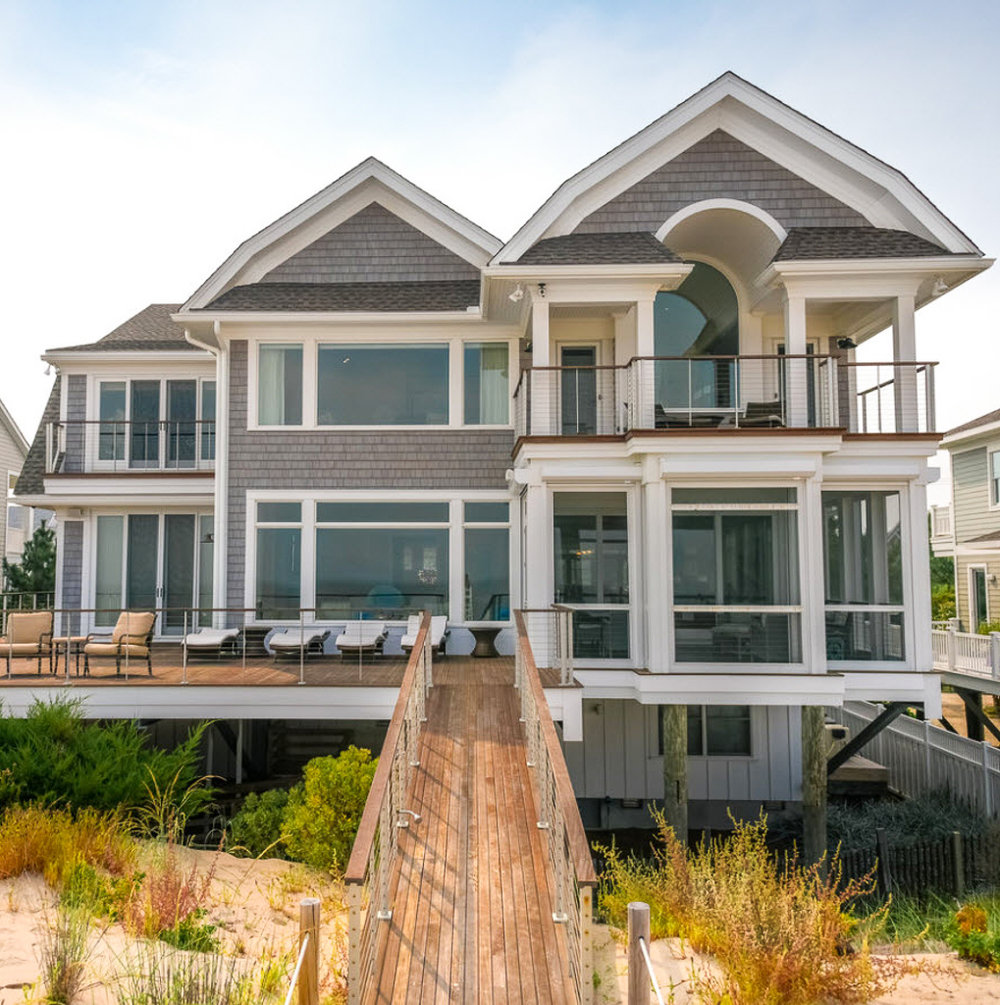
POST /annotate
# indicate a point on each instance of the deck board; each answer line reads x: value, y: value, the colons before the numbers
x: 472, y: 916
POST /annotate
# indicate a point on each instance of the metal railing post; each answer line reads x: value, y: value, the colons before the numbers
x: 302, y: 646
x: 184, y: 650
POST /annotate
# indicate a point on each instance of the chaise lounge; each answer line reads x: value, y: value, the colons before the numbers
x: 298, y: 642
x: 439, y: 631
x: 131, y: 638
x: 213, y: 642
x: 29, y: 633
x: 360, y: 637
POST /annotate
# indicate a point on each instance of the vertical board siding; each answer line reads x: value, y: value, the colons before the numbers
x: 720, y: 167
x: 619, y: 757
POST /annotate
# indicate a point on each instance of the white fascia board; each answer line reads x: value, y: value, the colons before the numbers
x: 304, y: 318
x: 895, y: 685
x: 969, y: 436
x: 533, y: 273
x: 713, y: 688
x: 556, y: 471
x: 371, y: 181
x: 97, y: 490
x: 679, y: 129
x: 67, y: 361
x: 754, y: 460
x: 176, y: 701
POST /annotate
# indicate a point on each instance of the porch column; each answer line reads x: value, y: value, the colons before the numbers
x: 642, y: 379
x: 796, y: 373
x: 543, y: 382
x: 814, y: 783
x: 904, y: 350
x: 537, y: 557
x: 675, y: 783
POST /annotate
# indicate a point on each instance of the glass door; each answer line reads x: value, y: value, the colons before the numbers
x: 178, y: 570
x: 578, y: 387
x: 182, y: 410
x: 144, y: 451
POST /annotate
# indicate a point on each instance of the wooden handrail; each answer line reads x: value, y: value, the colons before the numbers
x: 357, y: 866
x: 576, y: 837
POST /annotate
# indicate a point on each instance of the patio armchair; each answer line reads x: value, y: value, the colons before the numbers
x: 131, y: 638
x: 438, y: 633
x: 298, y: 642
x: 29, y: 633
x: 361, y: 637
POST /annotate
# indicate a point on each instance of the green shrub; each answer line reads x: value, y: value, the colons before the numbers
x: 54, y: 756
x: 973, y: 938
x: 258, y: 828
x: 324, y: 809
x: 985, y: 627
x: 192, y: 934
x: 98, y: 894
x: 942, y: 602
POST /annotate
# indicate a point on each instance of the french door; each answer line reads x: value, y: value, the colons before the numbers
x: 578, y: 389
x: 154, y: 561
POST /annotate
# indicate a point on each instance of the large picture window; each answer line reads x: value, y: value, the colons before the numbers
x: 487, y: 385
x: 863, y: 567
x: 382, y: 385
x: 279, y: 560
x: 735, y: 576
x: 487, y: 561
x: 279, y: 385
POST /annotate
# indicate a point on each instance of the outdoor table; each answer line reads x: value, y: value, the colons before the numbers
x: 71, y: 645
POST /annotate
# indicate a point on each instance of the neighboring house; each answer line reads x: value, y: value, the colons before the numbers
x: 969, y: 530
x: 646, y: 405
x: 16, y: 526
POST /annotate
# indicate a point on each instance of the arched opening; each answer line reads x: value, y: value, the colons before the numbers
x: 696, y: 334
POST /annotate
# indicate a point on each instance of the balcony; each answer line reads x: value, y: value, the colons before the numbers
x: 726, y: 392
x: 115, y: 446
x: 942, y: 538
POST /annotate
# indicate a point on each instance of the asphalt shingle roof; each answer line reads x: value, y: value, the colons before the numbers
x: 635, y: 248
x: 983, y: 420
x: 437, y: 295
x: 150, y: 329
x: 31, y: 480
x: 853, y: 242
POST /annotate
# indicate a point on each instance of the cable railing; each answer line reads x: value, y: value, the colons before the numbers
x: 375, y: 850
x: 571, y: 865
x: 772, y: 391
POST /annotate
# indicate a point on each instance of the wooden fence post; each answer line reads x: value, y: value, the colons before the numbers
x: 884, y: 873
x: 959, y: 862
x: 309, y: 975
x: 638, y: 978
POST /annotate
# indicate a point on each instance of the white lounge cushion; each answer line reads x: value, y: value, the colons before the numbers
x: 439, y: 629
x: 296, y: 638
x: 361, y: 635
x: 210, y: 638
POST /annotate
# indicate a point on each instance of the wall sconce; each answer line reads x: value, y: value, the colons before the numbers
x: 517, y: 295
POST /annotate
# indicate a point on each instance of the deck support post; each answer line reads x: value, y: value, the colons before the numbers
x: 973, y: 726
x: 814, y: 780
x: 675, y: 783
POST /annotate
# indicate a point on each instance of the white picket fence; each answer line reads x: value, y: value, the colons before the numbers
x: 922, y: 758
x: 962, y: 652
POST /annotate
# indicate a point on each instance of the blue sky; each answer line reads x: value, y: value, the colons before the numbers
x: 144, y: 141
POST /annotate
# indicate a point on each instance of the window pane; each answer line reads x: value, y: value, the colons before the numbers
x: 591, y: 548
x: 206, y: 549
x: 487, y: 574
x: 108, y: 585
x: 381, y: 512
x: 740, y: 495
x: 727, y: 730
x: 145, y: 440
x: 279, y: 385
x: 487, y: 387
x: 487, y: 512
x: 278, y: 568
x: 736, y: 637
x: 696, y: 737
x: 864, y: 635
x: 862, y: 545
x: 694, y: 559
x: 381, y: 571
x: 182, y: 409
x: 178, y: 569
x: 381, y: 385
x: 140, y: 572
x: 208, y: 420
x: 601, y: 635
x: 279, y: 512
x: 111, y: 437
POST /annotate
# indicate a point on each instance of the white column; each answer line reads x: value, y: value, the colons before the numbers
x: 644, y: 370
x: 917, y: 619
x: 904, y: 349
x: 543, y: 396
x: 657, y: 574
x: 796, y: 373
x: 537, y: 548
x: 812, y: 581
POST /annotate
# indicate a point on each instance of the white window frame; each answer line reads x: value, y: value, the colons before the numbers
x: 992, y: 497
x: 970, y: 569
x: 489, y: 525
x: 381, y: 337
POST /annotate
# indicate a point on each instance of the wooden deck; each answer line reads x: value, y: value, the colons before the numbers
x: 472, y: 918
x: 324, y: 671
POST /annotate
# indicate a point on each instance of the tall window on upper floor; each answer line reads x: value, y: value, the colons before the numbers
x: 736, y: 576
x: 279, y: 385
x: 383, y: 385
x: 591, y: 570
x: 995, y: 478
x: 279, y: 559
x: 487, y: 387
x: 692, y: 324
x: 863, y: 552
x: 487, y: 561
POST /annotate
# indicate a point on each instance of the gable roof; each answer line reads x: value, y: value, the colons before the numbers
x: 448, y: 295
x: 879, y: 193
x: 371, y: 181
x: 13, y: 429
x: 31, y: 480
x: 636, y: 248
x: 150, y: 329
x: 984, y: 420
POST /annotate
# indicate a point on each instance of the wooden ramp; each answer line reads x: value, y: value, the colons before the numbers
x: 471, y: 892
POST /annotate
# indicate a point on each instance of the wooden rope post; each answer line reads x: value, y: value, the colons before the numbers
x: 638, y: 978
x: 958, y: 858
x: 309, y: 975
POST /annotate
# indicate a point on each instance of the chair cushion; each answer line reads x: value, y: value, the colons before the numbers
x: 19, y: 648
x: 210, y: 638
x: 361, y: 634
x: 113, y: 649
x: 137, y: 624
x: 28, y: 626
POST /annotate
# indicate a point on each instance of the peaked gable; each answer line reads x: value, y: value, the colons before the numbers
x: 373, y: 246
x: 720, y: 167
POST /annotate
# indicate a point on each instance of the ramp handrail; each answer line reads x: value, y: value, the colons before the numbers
x: 569, y: 853
x: 375, y: 847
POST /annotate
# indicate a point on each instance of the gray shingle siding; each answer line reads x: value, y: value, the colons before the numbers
x: 32, y: 480
x: 309, y: 460
x: 76, y: 412
x: 971, y: 495
x: 72, y: 570
x: 374, y: 245
x: 720, y: 167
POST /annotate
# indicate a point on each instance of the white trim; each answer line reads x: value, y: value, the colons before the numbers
x: 706, y: 205
x: 969, y: 569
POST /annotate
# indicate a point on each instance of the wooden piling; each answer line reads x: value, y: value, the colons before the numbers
x: 309, y: 974
x: 638, y: 977
x: 675, y: 782
x: 814, y: 782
